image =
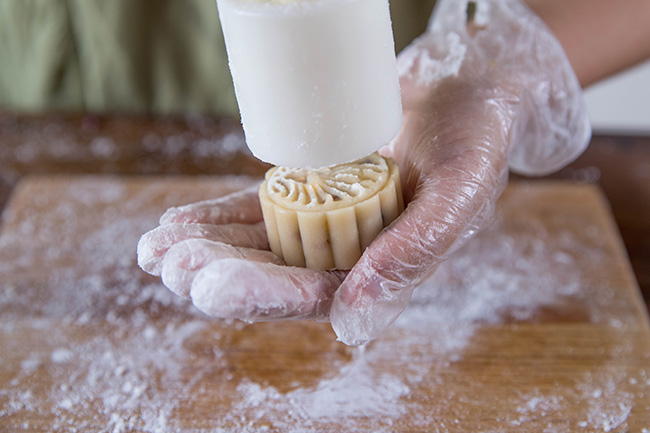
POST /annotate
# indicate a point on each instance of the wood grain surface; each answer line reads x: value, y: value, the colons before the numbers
x: 57, y: 143
x: 536, y: 325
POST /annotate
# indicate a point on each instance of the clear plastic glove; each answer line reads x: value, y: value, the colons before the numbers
x: 216, y: 252
x: 478, y: 98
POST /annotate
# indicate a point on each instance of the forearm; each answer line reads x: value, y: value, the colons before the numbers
x: 600, y: 37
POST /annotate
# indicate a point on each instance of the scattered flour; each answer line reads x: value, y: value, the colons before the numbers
x: 61, y: 355
x: 355, y: 392
x: 135, y: 342
x: 59, y: 144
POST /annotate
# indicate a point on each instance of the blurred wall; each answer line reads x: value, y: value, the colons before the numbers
x: 621, y: 104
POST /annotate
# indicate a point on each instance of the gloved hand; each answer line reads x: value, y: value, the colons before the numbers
x: 478, y: 98
x: 216, y: 252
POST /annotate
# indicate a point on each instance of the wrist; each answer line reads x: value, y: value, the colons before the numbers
x: 510, y: 54
x: 585, y: 29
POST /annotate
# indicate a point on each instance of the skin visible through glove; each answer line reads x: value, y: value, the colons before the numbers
x: 325, y: 218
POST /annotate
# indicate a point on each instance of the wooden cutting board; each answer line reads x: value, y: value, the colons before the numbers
x: 535, y: 325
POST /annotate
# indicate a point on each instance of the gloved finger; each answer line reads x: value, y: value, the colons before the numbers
x: 154, y: 244
x: 240, y: 207
x: 454, y: 192
x: 260, y: 292
x: 185, y: 259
